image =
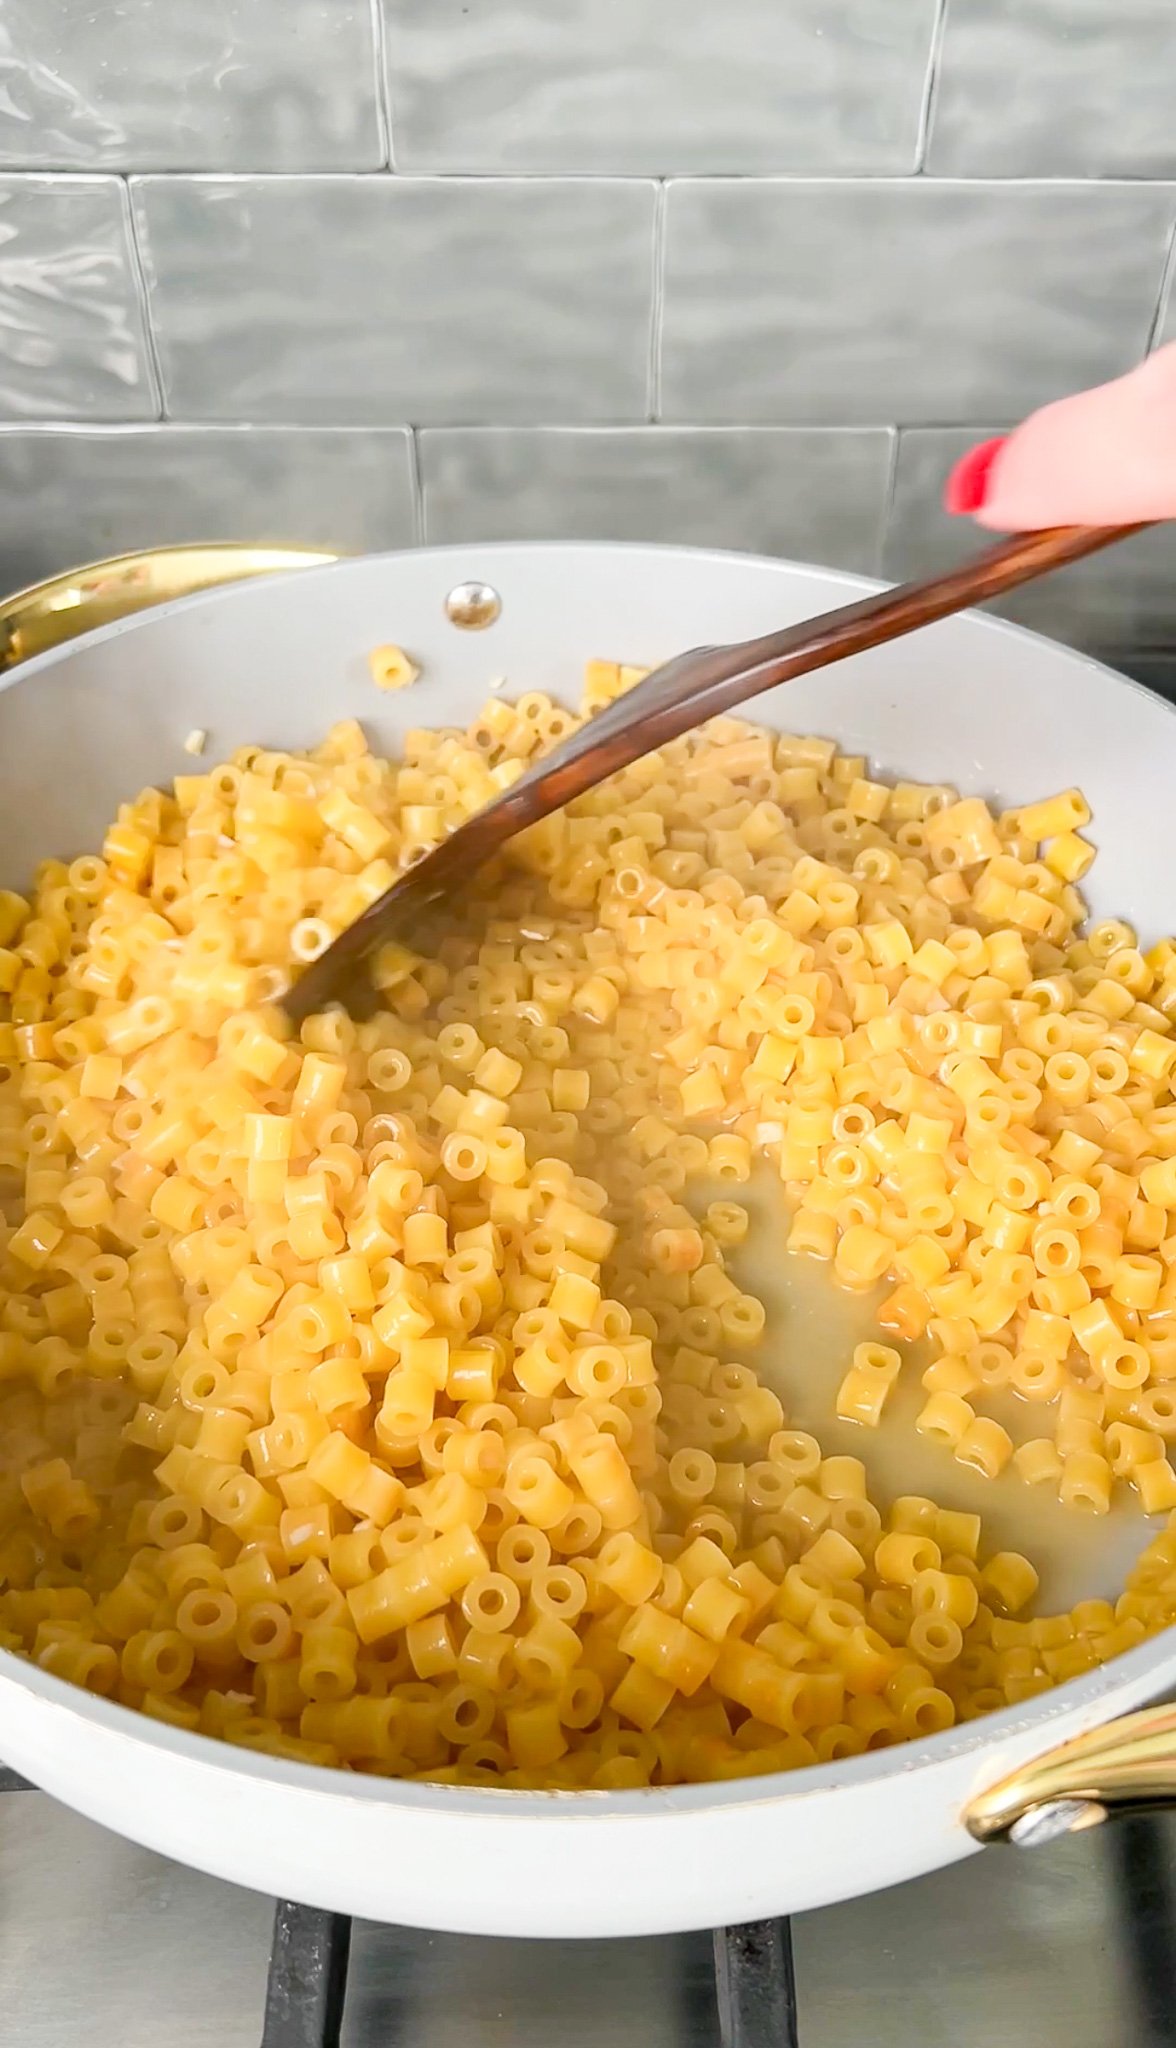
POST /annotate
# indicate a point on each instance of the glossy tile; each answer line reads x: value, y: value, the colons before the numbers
x: 1166, y: 323
x: 1056, y: 88
x: 1123, y: 599
x: 355, y: 300
x: 814, y: 496
x: 272, y: 85
x: 73, y: 497
x: 72, y: 340
x: 511, y: 85
x: 914, y: 300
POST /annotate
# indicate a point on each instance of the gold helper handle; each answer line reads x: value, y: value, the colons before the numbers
x: 47, y: 614
x: 1127, y: 1767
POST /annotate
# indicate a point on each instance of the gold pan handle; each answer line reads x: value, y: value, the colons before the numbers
x: 47, y: 614
x: 1127, y: 1767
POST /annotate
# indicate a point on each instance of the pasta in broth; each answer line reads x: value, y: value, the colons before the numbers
x: 384, y: 1396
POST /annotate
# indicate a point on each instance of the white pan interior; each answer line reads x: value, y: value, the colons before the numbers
x: 275, y: 661
x: 973, y: 701
x: 998, y: 711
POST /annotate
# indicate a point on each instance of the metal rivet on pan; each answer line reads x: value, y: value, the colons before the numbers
x: 472, y: 606
x: 1053, y: 1818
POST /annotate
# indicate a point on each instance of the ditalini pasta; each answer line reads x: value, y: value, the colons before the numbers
x: 377, y: 1397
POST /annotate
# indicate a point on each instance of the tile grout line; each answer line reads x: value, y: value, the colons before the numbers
x: 888, y: 500
x: 338, y: 174
x: 139, y: 273
x: 1167, y: 277
x: 657, y: 306
x: 931, y: 88
x: 383, y: 83
x: 194, y: 428
x: 582, y: 429
x: 419, y: 535
x: 380, y: 175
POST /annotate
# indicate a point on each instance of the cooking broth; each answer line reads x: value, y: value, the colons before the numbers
x: 813, y: 1325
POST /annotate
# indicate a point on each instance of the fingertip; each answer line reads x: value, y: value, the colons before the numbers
x: 969, y: 483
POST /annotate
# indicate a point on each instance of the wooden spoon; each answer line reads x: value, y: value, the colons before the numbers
x: 669, y: 701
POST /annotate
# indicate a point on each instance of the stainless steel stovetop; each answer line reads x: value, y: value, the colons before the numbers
x: 106, y: 1945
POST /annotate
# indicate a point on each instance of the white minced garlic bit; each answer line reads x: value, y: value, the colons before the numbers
x: 196, y: 741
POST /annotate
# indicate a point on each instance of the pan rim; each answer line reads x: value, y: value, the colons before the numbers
x: 968, y: 1739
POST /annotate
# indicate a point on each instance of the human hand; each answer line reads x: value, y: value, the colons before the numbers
x: 1105, y: 457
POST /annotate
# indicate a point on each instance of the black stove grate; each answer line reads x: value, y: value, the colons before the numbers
x: 755, y: 1986
x: 307, y: 1978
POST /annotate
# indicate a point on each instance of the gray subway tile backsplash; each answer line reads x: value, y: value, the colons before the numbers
x: 814, y: 495
x: 741, y: 276
x: 1121, y: 599
x: 1056, y: 88
x: 909, y: 300
x: 68, y: 497
x: 652, y: 86
x: 73, y: 343
x: 283, y: 85
x: 356, y: 300
x: 1166, y: 324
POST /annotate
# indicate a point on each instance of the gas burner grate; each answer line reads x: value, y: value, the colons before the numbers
x: 755, y: 1985
x: 307, y: 1978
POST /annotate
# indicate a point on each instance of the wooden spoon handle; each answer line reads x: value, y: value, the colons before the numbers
x: 682, y: 694
x: 698, y: 686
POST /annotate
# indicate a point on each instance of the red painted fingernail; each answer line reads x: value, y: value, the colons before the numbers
x: 967, y: 486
